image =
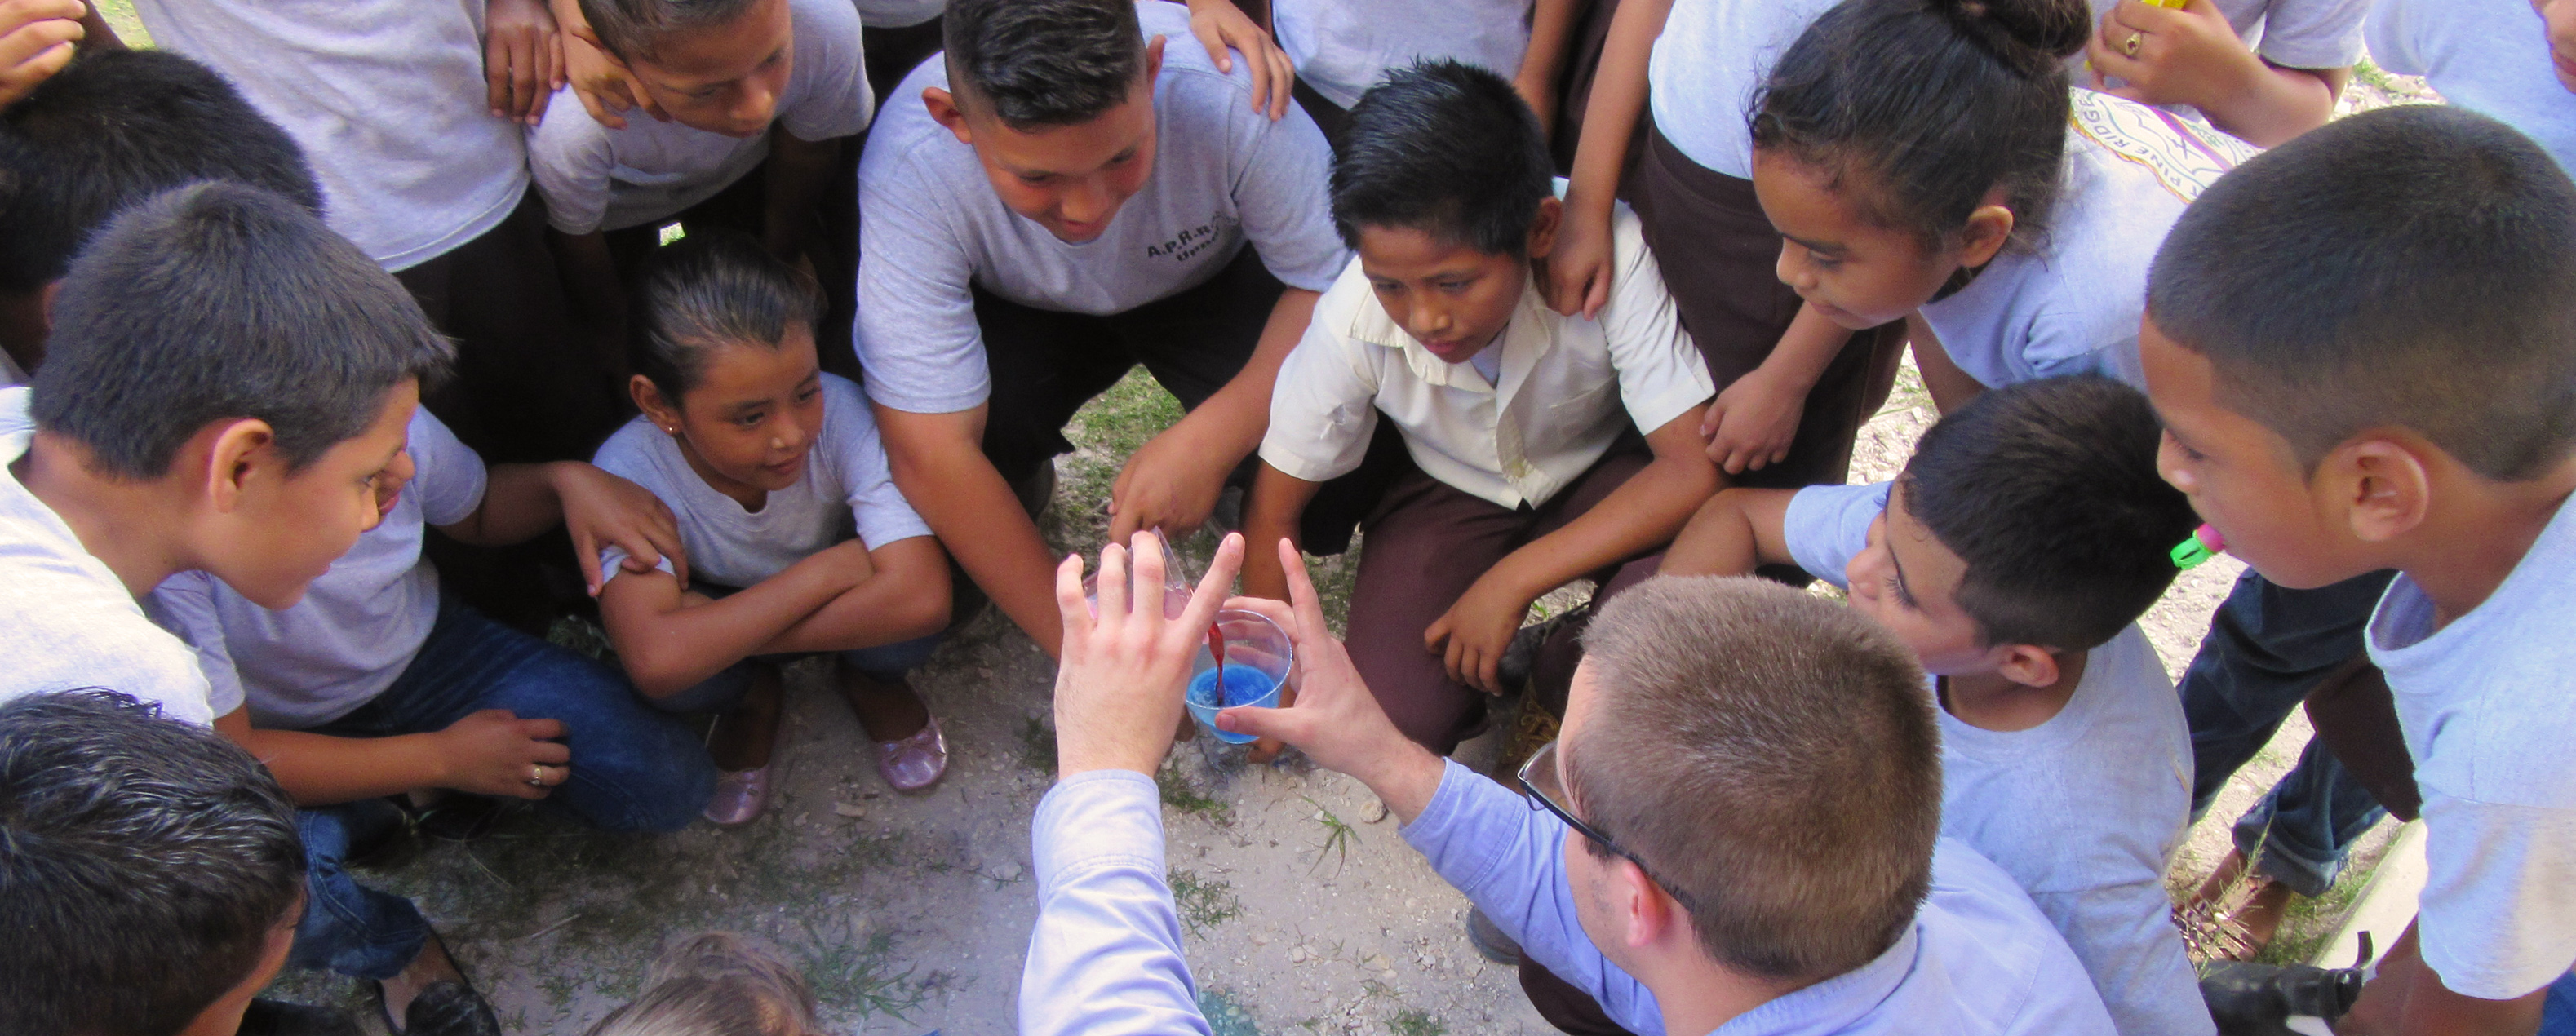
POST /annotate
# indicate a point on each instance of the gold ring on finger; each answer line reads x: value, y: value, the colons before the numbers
x: 536, y: 775
x: 2131, y: 48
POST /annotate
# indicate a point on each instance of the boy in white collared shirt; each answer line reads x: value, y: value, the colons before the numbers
x: 1521, y: 423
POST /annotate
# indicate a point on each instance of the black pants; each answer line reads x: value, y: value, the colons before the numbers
x: 523, y: 390
x: 1046, y: 364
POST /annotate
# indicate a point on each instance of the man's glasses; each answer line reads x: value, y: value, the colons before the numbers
x: 1538, y: 777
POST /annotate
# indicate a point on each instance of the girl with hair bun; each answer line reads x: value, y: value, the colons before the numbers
x: 1926, y: 159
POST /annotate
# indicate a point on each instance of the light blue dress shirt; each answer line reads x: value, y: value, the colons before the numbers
x: 1105, y: 959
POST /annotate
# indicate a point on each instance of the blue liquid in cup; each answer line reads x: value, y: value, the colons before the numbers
x: 1244, y: 685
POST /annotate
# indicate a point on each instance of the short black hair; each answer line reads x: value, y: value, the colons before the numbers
x: 1445, y: 148
x: 218, y: 300
x: 2049, y: 491
x: 117, y: 126
x: 628, y: 29
x: 713, y: 288
x: 1043, y: 62
x: 143, y: 864
x: 2412, y: 266
x: 1937, y: 102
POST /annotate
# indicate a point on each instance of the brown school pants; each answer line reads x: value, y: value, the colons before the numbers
x: 1424, y: 544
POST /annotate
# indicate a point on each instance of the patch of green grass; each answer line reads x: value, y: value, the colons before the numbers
x: 1339, y: 836
x: 2309, y: 924
x: 857, y: 976
x: 1037, y: 746
x: 1414, y: 1021
x: 2369, y: 72
x: 1203, y: 903
x: 1105, y: 432
x: 1180, y: 794
x: 128, y: 25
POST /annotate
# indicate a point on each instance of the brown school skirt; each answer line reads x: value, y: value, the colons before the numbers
x: 1719, y: 258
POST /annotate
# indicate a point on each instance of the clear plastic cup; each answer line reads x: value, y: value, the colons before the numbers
x: 1259, y: 660
x: 1177, y: 584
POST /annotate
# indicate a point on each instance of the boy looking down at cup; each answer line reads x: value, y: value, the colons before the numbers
x: 1526, y: 469
x: 2014, y: 556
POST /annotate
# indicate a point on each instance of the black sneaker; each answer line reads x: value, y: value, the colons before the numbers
x: 1521, y: 655
x: 450, y: 1009
x: 1489, y: 940
x: 279, y: 1018
x: 2259, y: 999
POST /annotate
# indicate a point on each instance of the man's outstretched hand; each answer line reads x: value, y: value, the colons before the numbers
x: 1336, y: 721
x: 1118, y: 684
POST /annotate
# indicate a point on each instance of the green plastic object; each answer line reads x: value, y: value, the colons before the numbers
x: 2203, y: 545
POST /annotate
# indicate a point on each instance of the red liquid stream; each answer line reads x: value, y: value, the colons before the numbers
x: 1216, y: 647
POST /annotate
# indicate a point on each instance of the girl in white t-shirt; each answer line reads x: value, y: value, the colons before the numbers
x: 797, y: 541
x: 1926, y: 160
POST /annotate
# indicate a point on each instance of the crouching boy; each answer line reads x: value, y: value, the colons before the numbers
x: 2013, y: 557
x: 1526, y: 473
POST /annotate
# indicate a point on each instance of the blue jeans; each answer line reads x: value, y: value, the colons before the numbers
x: 2558, y: 1012
x: 2267, y: 648
x: 885, y: 663
x: 633, y: 769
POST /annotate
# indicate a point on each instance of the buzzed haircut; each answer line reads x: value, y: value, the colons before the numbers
x: 1445, y: 148
x: 118, y: 126
x: 2048, y: 490
x: 217, y: 301
x: 1771, y: 755
x: 629, y: 29
x: 2410, y: 266
x: 1043, y: 62
x: 144, y: 863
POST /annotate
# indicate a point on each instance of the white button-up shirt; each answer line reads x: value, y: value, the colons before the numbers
x: 1558, y: 406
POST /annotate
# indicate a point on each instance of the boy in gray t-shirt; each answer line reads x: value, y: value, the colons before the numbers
x: 2014, y: 555
x: 1036, y: 224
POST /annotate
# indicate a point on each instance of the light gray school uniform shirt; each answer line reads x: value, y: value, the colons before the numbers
x: 847, y: 489
x: 388, y: 99
x: 597, y: 178
x: 66, y: 621
x: 2488, y: 707
x: 930, y: 226
x: 2488, y: 56
x: 1343, y: 47
x: 2083, y: 810
x: 2072, y: 305
x: 359, y: 625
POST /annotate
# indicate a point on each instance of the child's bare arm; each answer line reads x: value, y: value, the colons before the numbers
x: 598, y: 509
x: 1579, y: 269
x: 1637, y: 517
x: 1735, y: 532
x: 487, y: 753
x: 1951, y: 388
x: 1754, y: 421
x: 906, y: 597
x: 1551, y: 35
x: 669, y: 643
x: 797, y: 170
x: 2192, y: 56
x: 1278, y: 500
